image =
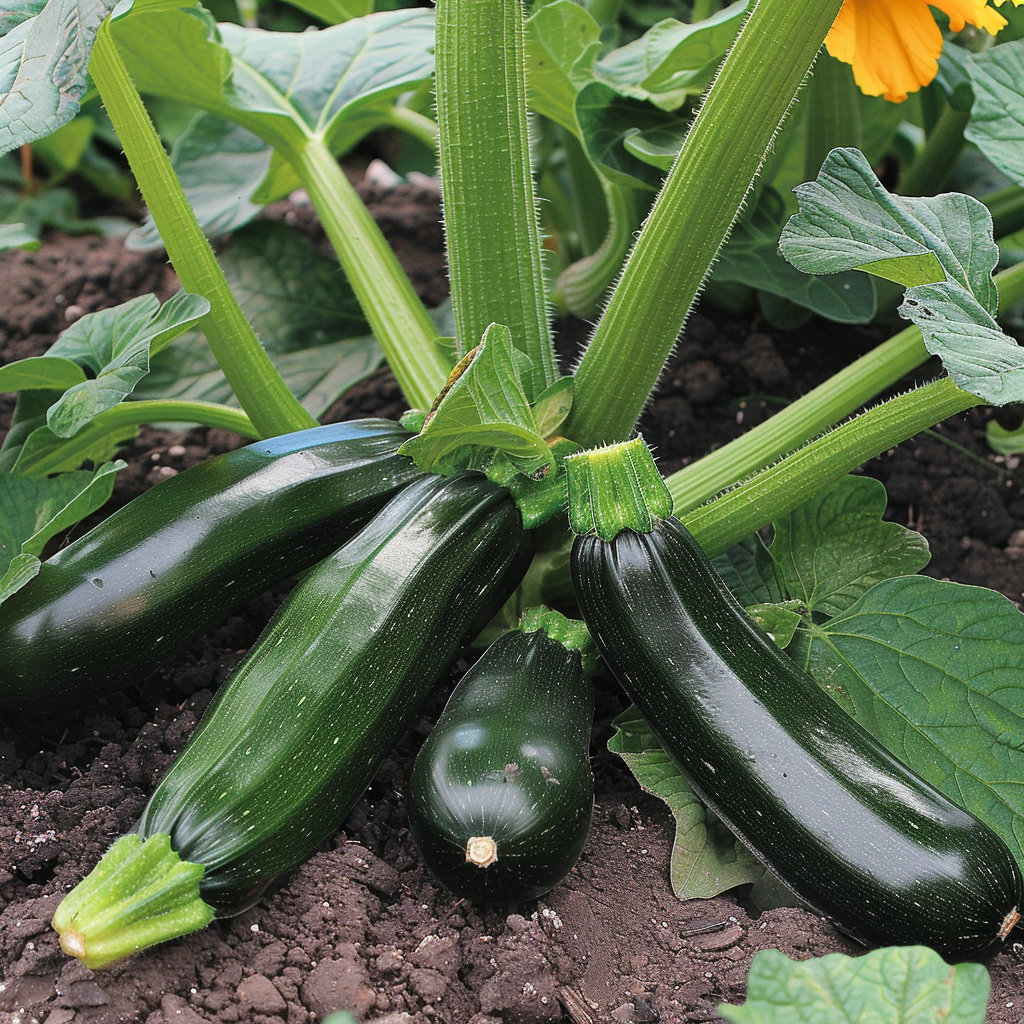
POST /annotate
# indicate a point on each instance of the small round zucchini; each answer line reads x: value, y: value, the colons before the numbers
x: 502, y: 791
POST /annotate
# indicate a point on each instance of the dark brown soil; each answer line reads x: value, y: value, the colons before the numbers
x: 362, y: 926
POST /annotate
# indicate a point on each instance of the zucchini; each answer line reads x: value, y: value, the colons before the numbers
x: 294, y: 737
x: 182, y: 556
x: 501, y: 793
x: 826, y: 807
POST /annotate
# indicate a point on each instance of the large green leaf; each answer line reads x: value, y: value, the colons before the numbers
x: 706, y: 858
x: 848, y: 221
x: 33, y: 510
x: 37, y: 372
x: 933, y: 670
x: 304, y: 312
x: 116, y: 344
x: 895, y: 985
x: 942, y: 248
x: 283, y: 86
x: 997, y: 117
x: 832, y: 549
x: 43, y: 63
x: 752, y: 258
x: 607, y: 120
x: 672, y: 60
x: 294, y: 296
x: 750, y: 573
x: 562, y: 42
x: 316, y: 376
x: 221, y: 166
x: 977, y: 354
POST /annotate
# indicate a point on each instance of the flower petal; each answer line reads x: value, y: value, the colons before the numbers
x: 973, y: 12
x: 893, y: 45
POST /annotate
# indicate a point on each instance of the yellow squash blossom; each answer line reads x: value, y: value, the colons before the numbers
x: 894, y: 45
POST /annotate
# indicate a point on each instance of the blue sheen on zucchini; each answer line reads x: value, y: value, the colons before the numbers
x: 502, y: 791
x: 182, y: 556
x: 293, y: 738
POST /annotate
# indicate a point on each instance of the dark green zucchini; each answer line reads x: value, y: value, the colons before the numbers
x: 501, y: 793
x: 294, y: 737
x: 826, y: 807
x: 182, y: 556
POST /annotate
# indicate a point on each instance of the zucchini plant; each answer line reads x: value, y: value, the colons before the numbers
x: 494, y: 402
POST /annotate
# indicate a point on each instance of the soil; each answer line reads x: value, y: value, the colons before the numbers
x: 362, y: 925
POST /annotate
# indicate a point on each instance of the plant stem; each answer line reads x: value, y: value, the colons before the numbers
x: 413, y: 123
x: 691, y: 217
x: 395, y: 314
x: 833, y: 112
x: 248, y: 369
x: 1007, y: 209
x: 112, y: 424
x: 936, y: 159
x: 582, y: 285
x: 791, y: 481
x: 490, y: 211
x: 172, y: 410
x: 816, y: 411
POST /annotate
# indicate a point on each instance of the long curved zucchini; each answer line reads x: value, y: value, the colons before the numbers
x: 295, y: 736
x: 182, y: 556
x: 501, y: 793
x: 840, y: 820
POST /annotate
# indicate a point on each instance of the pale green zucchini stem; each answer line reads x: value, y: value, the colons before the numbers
x: 258, y: 386
x: 140, y: 893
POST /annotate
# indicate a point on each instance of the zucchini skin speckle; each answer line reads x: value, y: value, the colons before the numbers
x: 837, y: 817
x: 509, y: 762
x: 297, y: 733
x: 182, y: 556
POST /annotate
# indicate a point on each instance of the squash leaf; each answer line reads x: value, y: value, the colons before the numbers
x: 997, y: 120
x: 941, y: 249
x: 830, y: 550
x: 33, y: 510
x: 897, y: 985
x: 933, y: 670
x: 483, y: 409
x: 706, y: 858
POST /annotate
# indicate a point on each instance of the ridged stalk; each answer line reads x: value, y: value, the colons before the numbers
x: 393, y: 310
x: 833, y: 112
x: 779, y: 489
x: 816, y: 411
x: 258, y: 386
x: 490, y: 212
x: 722, y: 154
